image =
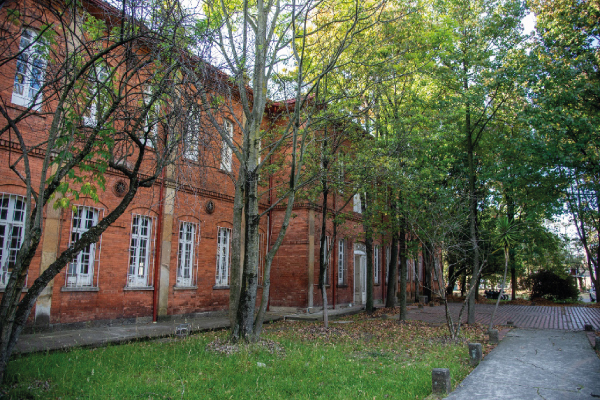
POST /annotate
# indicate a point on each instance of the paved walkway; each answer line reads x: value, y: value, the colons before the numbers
x: 535, y: 364
x: 116, y: 334
x: 536, y: 317
x: 568, y: 318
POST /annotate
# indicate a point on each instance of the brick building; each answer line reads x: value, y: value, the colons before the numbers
x: 169, y: 250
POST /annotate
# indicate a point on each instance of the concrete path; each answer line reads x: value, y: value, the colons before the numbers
x: 116, y: 334
x: 537, y: 317
x: 535, y: 364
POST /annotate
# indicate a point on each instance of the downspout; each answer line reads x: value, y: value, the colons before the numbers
x: 335, y: 253
x: 159, y: 246
x: 270, y: 224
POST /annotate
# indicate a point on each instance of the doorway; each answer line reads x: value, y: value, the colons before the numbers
x: 360, y: 274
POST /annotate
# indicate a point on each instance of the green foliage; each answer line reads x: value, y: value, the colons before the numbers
x: 549, y: 285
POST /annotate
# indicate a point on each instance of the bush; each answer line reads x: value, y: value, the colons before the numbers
x: 549, y: 285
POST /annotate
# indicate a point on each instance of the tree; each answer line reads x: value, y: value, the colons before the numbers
x: 506, y: 237
x: 112, y: 88
x: 255, y: 39
x: 483, y: 35
x: 564, y: 88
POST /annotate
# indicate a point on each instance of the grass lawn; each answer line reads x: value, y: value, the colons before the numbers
x: 366, y: 357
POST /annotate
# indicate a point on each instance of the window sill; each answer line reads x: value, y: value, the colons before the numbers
x: 326, y: 285
x: 79, y: 289
x: 134, y: 288
x: 220, y: 287
x: 342, y: 285
x: 185, y: 287
x: 20, y: 103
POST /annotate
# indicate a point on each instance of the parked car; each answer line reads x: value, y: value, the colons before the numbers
x: 593, y: 294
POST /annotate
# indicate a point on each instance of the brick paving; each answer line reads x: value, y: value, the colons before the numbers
x: 535, y: 317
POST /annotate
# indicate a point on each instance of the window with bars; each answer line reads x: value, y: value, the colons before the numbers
x: 139, y: 270
x: 341, y: 262
x: 226, y: 151
x: 12, y: 219
x: 223, y: 260
x: 80, y: 271
x: 376, y: 264
x: 31, y: 68
x: 188, y: 237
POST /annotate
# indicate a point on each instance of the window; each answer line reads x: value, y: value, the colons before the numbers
x: 31, y: 67
x: 341, y: 262
x: 98, y: 76
x: 80, y: 272
x: 187, y: 243
x: 190, y: 138
x: 376, y: 265
x: 223, y: 243
x: 12, y: 219
x: 226, y: 151
x: 151, y: 123
x: 357, y: 203
x: 139, y: 252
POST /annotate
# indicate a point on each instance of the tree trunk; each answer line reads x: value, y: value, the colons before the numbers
x: 369, y: 306
x: 510, y: 214
x: 236, y: 245
x: 325, y: 249
x: 451, y: 280
x: 472, y: 223
x: 506, y: 258
x: 244, y: 324
x: 390, y: 300
x: 427, y: 264
x: 402, y: 269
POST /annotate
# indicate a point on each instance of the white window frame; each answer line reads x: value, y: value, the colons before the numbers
x: 187, y: 266
x: 81, y: 269
x: 31, y: 62
x: 140, y: 266
x: 341, y: 262
x: 376, y: 265
x: 223, y: 256
x: 357, y: 204
x: 99, y: 77
x: 226, y: 151
x: 11, y: 233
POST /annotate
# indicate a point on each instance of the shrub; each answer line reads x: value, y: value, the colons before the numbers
x: 549, y: 285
